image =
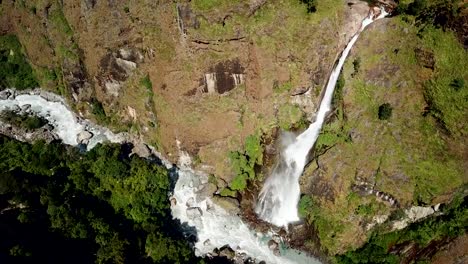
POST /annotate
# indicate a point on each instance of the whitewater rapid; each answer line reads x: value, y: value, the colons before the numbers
x: 216, y: 228
x: 278, y: 200
x: 66, y: 125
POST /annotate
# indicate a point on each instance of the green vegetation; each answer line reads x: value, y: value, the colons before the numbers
x: 440, y: 13
x: 15, y: 71
x: 291, y: 116
x: 457, y: 84
x: 450, y: 224
x: 57, y: 17
x: 60, y: 206
x: 244, y: 163
x: 305, y: 203
x: 385, y: 111
x: 146, y: 82
x: 281, y: 88
x: 25, y: 121
x: 338, y: 93
x: 357, y: 66
x: 207, y: 5
x: 311, y: 5
x: 367, y: 209
x: 99, y: 112
x: 444, y: 92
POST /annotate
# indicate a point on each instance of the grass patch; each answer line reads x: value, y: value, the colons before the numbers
x: 208, y: 5
x: 15, y: 71
x: 291, y: 116
x: 446, y: 93
x: 57, y: 17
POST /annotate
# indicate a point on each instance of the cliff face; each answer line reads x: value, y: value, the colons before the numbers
x: 202, y: 73
x: 396, y: 138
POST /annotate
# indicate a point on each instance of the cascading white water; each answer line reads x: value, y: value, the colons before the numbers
x: 215, y: 227
x: 279, y: 197
x: 67, y: 126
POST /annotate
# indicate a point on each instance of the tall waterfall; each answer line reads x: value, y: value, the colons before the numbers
x: 279, y: 197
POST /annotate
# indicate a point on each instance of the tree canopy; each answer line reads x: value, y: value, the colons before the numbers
x: 61, y: 206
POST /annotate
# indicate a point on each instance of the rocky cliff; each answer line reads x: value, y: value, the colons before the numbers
x: 205, y: 74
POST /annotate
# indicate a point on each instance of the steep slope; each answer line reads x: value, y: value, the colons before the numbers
x: 205, y: 74
x: 397, y: 137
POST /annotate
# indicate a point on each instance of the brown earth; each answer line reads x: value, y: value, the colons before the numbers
x: 179, y: 44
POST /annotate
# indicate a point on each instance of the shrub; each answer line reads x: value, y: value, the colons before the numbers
x: 338, y: 94
x: 385, y: 111
x: 25, y: 121
x: 457, y: 84
x: 243, y: 163
x: 356, y: 66
x: 98, y: 111
x: 311, y: 5
x: 146, y: 82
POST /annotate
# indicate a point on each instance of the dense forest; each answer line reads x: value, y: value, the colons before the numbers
x: 58, y: 205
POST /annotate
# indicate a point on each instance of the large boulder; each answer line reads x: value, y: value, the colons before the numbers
x: 229, y: 204
x: 206, y: 191
x: 84, y: 136
x: 141, y: 150
x: 226, y: 252
x: 194, y: 213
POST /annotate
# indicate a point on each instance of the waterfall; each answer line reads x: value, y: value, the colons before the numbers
x: 279, y: 196
x: 215, y: 227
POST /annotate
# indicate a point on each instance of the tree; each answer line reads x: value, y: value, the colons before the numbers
x: 385, y: 111
x: 100, y: 206
x: 311, y: 5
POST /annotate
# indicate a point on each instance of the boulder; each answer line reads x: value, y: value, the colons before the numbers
x: 26, y: 108
x: 4, y: 95
x: 226, y: 252
x: 206, y: 191
x: 207, y: 242
x: 141, y: 150
x: 273, y: 246
x: 15, y: 108
x: 190, y: 202
x: 194, y: 212
x: 173, y: 202
x: 231, y: 205
x: 84, y: 136
x: 417, y: 212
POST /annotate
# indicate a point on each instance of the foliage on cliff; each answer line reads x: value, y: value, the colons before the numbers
x: 59, y: 205
x: 451, y: 224
x: 15, y: 71
x: 243, y: 163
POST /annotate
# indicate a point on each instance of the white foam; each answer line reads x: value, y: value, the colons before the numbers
x: 66, y: 124
x: 217, y: 228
